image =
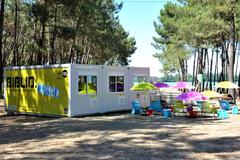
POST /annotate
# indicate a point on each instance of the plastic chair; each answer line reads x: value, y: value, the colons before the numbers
x: 156, y: 106
x: 200, y: 106
x: 222, y: 114
x: 225, y: 105
x: 235, y: 110
x: 178, y: 107
x: 136, y: 108
x: 208, y: 108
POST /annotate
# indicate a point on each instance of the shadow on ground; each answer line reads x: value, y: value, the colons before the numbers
x: 116, y: 136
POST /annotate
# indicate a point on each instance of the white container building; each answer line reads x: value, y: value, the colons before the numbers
x: 71, y: 89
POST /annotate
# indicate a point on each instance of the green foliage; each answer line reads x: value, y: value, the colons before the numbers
x: 197, y: 25
x: 174, y: 78
x: 63, y: 31
x: 66, y: 32
x: 173, y: 50
x: 170, y: 78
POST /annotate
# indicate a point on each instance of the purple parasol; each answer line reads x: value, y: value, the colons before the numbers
x: 161, y: 85
x: 183, y: 85
x: 192, y: 95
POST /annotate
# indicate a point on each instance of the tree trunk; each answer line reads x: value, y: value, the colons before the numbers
x: 71, y: 55
x: 200, y: 61
x: 231, y: 52
x: 216, y: 68
x: 53, y: 39
x: 211, y: 65
x: 15, y: 51
x: 41, y: 43
x: 194, y: 66
x: 236, y: 68
x: 206, y: 69
x: 183, y: 69
x: 179, y: 75
x: 61, y: 54
x: 200, y: 66
x: 239, y: 83
x: 1, y: 43
x: 186, y: 70
x: 223, y: 59
x: 197, y: 67
x: 52, y: 45
x: 70, y: 58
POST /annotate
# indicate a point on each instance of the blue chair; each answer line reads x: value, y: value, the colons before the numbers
x: 235, y: 110
x: 200, y: 106
x: 222, y: 114
x: 136, y: 107
x: 156, y: 106
x: 225, y: 105
x: 199, y: 103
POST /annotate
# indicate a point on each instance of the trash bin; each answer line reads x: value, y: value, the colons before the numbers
x: 166, y: 113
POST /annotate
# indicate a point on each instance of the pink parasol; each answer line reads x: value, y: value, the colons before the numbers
x: 183, y: 85
x: 192, y: 95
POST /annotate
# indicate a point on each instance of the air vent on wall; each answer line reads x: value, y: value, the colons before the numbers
x: 122, y: 100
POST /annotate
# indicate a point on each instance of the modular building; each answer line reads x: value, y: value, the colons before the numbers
x: 70, y: 89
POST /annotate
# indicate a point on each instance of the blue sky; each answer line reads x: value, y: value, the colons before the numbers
x: 137, y: 18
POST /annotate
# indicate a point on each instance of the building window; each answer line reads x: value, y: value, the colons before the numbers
x: 139, y: 79
x: 116, y: 83
x: 92, y: 84
x: 87, y: 84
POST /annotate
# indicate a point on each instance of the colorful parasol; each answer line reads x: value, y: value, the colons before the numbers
x: 192, y: 95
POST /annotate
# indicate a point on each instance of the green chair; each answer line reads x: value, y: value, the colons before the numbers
x: 207, y: 108
x: 178, y: 107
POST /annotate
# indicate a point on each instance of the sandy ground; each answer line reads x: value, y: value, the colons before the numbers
x: 119, y: 136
